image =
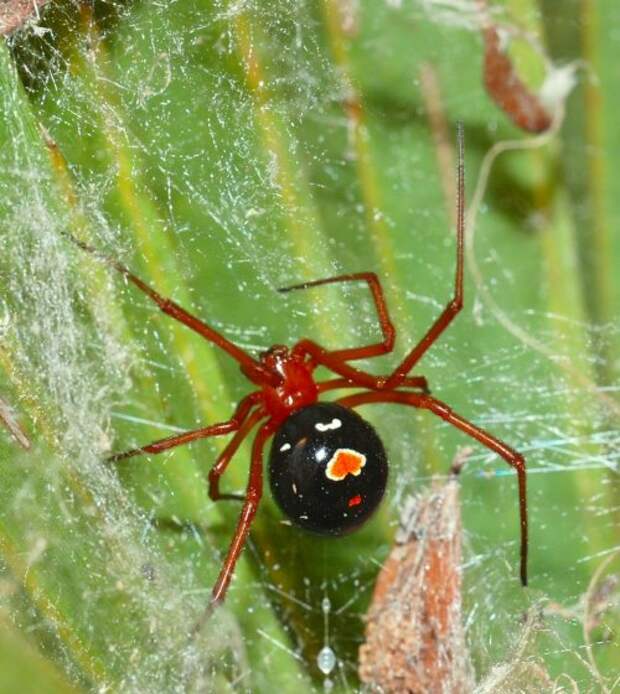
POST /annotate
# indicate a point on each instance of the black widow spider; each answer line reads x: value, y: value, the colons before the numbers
x: 328, y: 468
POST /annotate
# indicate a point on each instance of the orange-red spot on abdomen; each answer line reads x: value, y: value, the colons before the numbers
x: 355, y: 501
x: 344, y: 462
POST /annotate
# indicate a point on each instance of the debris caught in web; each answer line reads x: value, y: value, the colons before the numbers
x: 415, y: 639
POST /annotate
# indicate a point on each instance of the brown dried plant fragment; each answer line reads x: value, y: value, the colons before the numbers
x: 415, y: 640
x: 7, y: 418
x: 507, y: 90
x: 15, y: 13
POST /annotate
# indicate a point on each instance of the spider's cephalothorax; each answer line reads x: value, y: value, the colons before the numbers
x: 296, y: 388
x: 327, y: 469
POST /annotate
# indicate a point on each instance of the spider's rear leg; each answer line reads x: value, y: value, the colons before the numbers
x: 387, y: 327
x: 253, y: 495
x: 226, y: 455
x: 233, y: 424
x: 215, y: 474
x: 512, y: 457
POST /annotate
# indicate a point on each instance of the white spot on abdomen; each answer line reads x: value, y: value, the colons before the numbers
x: 285, y: 447
x: 320, y: 455
x: 334, y: 424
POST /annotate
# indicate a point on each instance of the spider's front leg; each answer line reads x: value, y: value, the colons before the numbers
x: 336, y: 360
x: 417, y: 382
x: 454, y: 306
x: 321, y: 356
x: 385, y: 322
x: 253, y: 369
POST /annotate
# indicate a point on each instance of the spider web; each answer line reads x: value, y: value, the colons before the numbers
x: 221, y: 150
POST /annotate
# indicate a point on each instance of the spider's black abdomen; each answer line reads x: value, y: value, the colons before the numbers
x: 327, y: 468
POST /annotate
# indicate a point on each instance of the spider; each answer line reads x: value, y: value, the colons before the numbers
x: 328, y: 468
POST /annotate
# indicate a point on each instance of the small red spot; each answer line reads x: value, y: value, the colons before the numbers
x: 355, y: 501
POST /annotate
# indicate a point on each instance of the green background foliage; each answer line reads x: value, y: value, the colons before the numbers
x: 214, y: 148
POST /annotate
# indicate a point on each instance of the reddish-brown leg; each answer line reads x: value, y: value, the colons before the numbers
x: 418, y: 382
x: 254, y: 370
x: 226, y: 455
x: 456, y: 303
x: 253, y: 496
x: 387, y: 328
x: 242, y: 411
x: 319, y: 355
x: 334, y: 361
x: 442, y: 410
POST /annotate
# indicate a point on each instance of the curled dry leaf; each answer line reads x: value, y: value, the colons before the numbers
x: 415, y: 640
x: 507, y: 90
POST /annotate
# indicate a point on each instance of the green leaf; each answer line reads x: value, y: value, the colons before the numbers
x: 221, y: 150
